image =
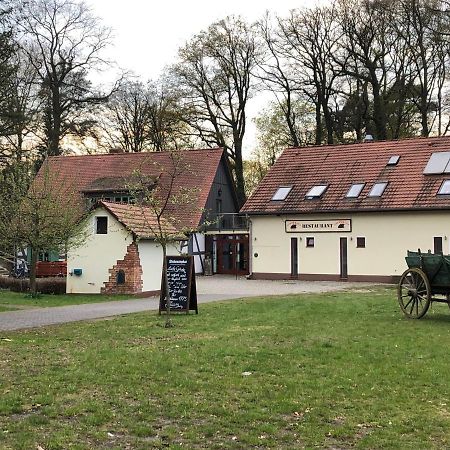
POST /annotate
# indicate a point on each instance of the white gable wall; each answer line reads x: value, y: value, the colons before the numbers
x: 97, y: 255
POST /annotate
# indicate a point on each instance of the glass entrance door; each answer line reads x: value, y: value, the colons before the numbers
x: 232, y: 254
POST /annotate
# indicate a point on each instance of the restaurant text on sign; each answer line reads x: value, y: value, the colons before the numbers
x: 318, y: 226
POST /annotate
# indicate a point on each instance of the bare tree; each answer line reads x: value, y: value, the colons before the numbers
x: 215, y: 74
x: 25, y: 107
x: 7, y: 72
x: 127, y: 115
x: 64, y: 43
x: 278, y: 76
x: 365, y: 45
x: 310, y: 39
x: 422, y: 31
x: 144, y: 117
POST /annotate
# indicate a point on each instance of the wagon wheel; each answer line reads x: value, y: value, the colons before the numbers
x: 414, y: 293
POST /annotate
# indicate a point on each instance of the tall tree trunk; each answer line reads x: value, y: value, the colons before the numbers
x: 290, y: 121
x: 55, y: 131
x: 239, y: 174
x: 379, y: 113
x: 328, y: 121
x: 318, y: 124
x: 424, y: 113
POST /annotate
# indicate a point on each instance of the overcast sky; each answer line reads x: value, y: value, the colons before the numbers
x: 147, y: 34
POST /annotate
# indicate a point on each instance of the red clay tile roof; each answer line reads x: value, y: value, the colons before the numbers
x: 201, y: 165
x: 140, y: 220
x: 340, y: 166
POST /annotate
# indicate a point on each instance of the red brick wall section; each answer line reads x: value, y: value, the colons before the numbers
x: 131, y: 265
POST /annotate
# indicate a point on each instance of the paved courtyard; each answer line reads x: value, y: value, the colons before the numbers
x: 210, y: 289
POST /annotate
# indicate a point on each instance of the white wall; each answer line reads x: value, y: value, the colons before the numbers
x: 388, y: 237
x: 198, y: 246
x: 97, y: 255
x: 150, y: 254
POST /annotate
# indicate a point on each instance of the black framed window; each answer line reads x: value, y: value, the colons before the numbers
x: 438, y: 244
x: 360, y: 242
x: 310, y: 242
x: 102, y: 225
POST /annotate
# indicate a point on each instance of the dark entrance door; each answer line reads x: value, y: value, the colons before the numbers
x: 294, y: 257
x: 232, y: 254
x: 343, y: 258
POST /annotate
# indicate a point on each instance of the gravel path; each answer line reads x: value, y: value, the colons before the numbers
x: 209, y: 289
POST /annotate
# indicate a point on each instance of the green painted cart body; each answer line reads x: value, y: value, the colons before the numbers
x: 426, y: 280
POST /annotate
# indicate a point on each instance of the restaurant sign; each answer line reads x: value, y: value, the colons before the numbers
x: 318, y: 226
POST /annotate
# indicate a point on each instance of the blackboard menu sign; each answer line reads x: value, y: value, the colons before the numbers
x: 180, y: 275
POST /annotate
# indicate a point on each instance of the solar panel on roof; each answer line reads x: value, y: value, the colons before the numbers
x: 438, y: 163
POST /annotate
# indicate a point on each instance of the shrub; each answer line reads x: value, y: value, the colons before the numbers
x: 55, y: 285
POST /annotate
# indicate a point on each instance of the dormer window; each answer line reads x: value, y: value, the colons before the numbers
x: 355, y: 190
x: 282, y: 193
x: 378, y: 189
x: 445, y: 188
x: 316, y: 191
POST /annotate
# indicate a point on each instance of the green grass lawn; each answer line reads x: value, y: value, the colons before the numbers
x: 332, y: 371
x: 8, y: 300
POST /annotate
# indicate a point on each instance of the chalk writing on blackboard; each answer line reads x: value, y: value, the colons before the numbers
x: 180, y: 275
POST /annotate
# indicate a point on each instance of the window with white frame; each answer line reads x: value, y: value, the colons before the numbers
x: 281, y: 193
x: 355, y: 190
x: 378, y: 189
x: 316, y: 191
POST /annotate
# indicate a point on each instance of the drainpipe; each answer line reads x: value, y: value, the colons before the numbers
x: 250, y: 249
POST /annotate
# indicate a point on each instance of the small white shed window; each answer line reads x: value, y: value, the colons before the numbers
x: 316, y: 191
x: 445, y: 188
x: 355, y: 190
x: 377, y: 189
x: 282, y: 193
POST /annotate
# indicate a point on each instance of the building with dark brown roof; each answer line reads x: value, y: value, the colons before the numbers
x: 351, y: 211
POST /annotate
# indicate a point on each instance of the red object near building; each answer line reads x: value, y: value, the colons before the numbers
x: 51, y: 269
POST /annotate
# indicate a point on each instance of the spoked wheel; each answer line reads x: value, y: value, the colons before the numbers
x: 414, y: 293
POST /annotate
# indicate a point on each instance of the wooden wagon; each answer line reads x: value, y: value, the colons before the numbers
x: 426, y: 280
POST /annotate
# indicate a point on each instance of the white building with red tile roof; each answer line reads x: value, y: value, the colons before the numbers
x: 121, y: 245
x: 351, y: 212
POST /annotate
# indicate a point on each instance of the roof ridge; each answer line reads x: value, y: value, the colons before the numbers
x: 164, y: 152
x: 381, y: 141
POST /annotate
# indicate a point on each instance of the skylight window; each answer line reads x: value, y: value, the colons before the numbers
x: 377, y: 189
x: 393, y: 160
x: 438, y: 163
x: 316, y: 191
x: 355, y: 190
x: 282, y: 193
x: 445, y: 188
